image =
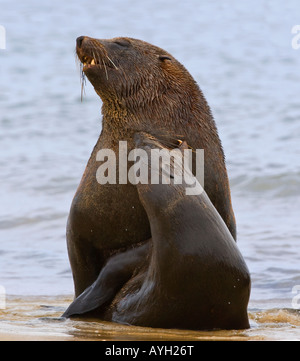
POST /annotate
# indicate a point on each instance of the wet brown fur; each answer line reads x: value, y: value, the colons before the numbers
x: 143, y: 88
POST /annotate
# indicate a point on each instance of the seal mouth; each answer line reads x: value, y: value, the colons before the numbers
x: 90, y: 61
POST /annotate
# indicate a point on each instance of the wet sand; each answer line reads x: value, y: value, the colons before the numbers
x: 38, y: 319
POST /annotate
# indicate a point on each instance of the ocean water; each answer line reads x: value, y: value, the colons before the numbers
x: 241, y: 55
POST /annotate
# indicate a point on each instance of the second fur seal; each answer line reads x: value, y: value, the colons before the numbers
x: 143, y: 88
x: 194, y: 276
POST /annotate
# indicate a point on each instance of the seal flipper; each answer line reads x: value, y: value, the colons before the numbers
x: 117, y: 271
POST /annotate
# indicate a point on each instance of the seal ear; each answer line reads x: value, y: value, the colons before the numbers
x: 164, y: 57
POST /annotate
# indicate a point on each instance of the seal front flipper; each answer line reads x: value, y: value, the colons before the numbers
x: 117, y: 271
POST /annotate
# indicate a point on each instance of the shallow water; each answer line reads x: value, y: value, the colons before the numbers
x: 38, y: 318
x: 242, y: 58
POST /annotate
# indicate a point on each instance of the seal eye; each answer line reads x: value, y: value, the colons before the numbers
x: 164, y: 57
x: 123, y: 43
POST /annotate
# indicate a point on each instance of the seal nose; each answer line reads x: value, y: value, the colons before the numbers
x: 79, y: 41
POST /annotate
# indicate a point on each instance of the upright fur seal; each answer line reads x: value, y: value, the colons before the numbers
x: 143, y: 88
x: 194, y: 276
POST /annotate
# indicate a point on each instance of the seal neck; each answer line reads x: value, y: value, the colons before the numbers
x: 149, y: 116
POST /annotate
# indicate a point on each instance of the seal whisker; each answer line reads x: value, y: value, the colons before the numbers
x: 83, y: 83
x: 82, y: 77
x: 98, y: 58
x: 112, y: 62
x: 105, y: 69
x: 94, y: 57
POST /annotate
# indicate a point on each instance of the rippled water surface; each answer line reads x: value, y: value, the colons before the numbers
x: 242, y: 58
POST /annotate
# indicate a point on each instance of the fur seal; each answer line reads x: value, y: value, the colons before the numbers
x: 194, y: 276
x: 143, y: 88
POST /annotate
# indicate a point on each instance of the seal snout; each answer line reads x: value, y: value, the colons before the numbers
x: 87, y: 56
x: 91, y: 52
